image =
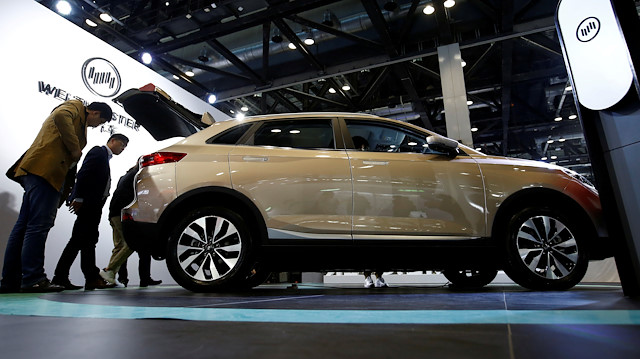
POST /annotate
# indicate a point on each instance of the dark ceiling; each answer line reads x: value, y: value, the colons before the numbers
x: 386, y: 51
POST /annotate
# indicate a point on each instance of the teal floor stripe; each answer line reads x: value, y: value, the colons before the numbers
x: 31, y: 305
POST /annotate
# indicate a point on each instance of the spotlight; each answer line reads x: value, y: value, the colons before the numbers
x: 573, y: 117
x: 189, y: 73
x: 558, y: 119
x: 146, y: 58
x: 390, y: 5
x: 277, y: 38
x: 106, y: 17
x: 346, y: 88
x: 429, y: 9
x: 244, y: 108
x: 292, y: 46
x: 332, y: 90
x: 309, y: 38
x: 449, y: 3
x: 212, y: 99
x: 63, y: 7
x: 469, y: 102
x: 90, y: 23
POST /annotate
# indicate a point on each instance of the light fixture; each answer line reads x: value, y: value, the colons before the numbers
x: 346, y: 87
x: 562, y: 139
x: 146, y: 58
x: 176, y: 77
x: 327, y: 19
x: 292, y: 46
x: 554, y: 157
x: 90, y: 23
x: 544, y: 158
x: 573, y: 117
x: 106, y: 17
x: 309, y: 38
x: 63, y: 7
x: 240, y: 116
x: 478, y: 149
x: 474, y: 129
x: 390, y: 5
x: 213, y: 5
x: 203, y: 56
x: 549, y: 141
x: 212, y: 99
x: 277, y: 38
x: 558, y: 119
x: 568, y: 88
x: 189, y: 73
x: 166, y: 3
x: 449, y: 3
x: 429, y: 9
x: 244, y: 108
x: 469, y: 102
x: 463, y: 63
x: 332, y: 90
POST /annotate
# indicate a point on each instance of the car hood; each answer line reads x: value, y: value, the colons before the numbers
x: 164, y: 118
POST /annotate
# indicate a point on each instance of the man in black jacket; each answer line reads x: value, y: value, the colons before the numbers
x: 87, y: 198
x: 122, y: 196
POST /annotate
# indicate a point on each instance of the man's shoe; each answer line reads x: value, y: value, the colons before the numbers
x: 97, y: 283
x: 108, y: 275
x: 368, y: 282
x: 148, y: 282
x: 124, y: 281
x: 43, y: 286
x: 64, y: 282
x: 380, y: 283
x: 6, y: 289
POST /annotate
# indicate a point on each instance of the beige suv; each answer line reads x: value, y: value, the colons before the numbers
x: 236, y: 200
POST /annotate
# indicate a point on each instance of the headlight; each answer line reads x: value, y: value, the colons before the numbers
x: 582, y: 179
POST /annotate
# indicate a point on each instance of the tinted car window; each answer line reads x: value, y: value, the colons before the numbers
x: 296, y: 134
x: 230, y: 136
x: 379, y: 137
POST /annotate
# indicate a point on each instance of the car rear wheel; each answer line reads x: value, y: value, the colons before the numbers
x: 209, y: 250
x: 470, y: 279
x: 545, y: 249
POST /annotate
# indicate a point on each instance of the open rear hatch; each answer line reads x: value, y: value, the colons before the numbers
x: 164, y: 118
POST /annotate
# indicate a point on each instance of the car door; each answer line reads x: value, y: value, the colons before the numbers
x: 300, y: 182
x: 404, y: 188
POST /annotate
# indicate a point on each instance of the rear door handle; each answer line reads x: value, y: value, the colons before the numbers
x: 255, y: 159
x: 376, y: 163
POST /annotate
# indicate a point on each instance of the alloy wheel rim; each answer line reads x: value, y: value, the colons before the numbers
x: 209, y: 248
x: 547, y: 247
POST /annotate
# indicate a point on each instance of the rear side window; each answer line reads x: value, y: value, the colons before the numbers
x: 230, y: 136
x: 305, y: 134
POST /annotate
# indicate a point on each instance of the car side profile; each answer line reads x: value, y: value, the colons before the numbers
x: 236, y: 200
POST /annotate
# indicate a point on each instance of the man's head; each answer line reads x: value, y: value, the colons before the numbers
x: 98, y: 113
x: 117, y: 143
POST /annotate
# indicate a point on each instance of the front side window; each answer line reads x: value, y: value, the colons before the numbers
x: 379, y: 137
x: 304, y: 134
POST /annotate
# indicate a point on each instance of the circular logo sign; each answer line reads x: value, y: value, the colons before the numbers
x: 588, y: 29
x: 101, y: 77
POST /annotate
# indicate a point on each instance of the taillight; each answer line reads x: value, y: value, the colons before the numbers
x: 126, y: 217
x: 159, y: 158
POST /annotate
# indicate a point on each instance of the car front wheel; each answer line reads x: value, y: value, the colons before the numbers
x: 545, y: 249
x: 209, y: 250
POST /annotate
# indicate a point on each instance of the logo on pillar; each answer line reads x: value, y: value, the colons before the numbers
x: 101, y: 77
x: 588, y: 29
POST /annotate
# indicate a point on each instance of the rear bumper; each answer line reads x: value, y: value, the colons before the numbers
x: 145, y: 238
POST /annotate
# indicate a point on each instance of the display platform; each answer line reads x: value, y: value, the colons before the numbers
x: 285, y: 321
x: 309, y: 303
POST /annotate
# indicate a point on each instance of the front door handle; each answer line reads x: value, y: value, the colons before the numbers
x: 255, y: 158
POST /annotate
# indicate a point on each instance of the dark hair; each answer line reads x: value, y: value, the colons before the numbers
x: 105, y: 110
x: 120, y: 137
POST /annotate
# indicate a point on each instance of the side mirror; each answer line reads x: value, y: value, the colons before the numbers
x: 443, y: 144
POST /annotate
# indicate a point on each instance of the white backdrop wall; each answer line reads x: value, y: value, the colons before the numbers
x: 42, y: 57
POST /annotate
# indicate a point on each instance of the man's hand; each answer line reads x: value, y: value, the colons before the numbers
x: 74, y: 207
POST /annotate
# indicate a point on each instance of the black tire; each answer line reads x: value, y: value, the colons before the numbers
x: 545, y: 249
x: 256, y: 276
x: 470, y: 279
x: 209, y: 250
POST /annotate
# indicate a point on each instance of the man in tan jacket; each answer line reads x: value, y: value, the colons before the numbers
x: 42, y: 172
